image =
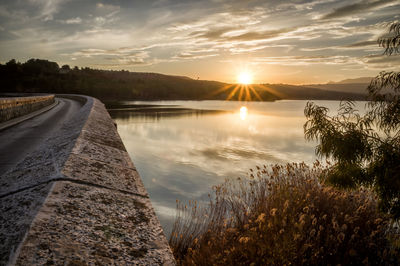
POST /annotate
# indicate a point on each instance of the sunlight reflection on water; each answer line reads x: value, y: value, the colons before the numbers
x: 181, y: 153
x: 243, y: 112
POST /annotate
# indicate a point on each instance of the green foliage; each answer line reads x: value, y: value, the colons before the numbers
x: 391, y: 41
x: 342, y: 137
x: 284, y: 215
x: 384, y: 95
x: 365, y: 148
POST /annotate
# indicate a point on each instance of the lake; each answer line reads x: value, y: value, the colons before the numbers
x: 182, y: 148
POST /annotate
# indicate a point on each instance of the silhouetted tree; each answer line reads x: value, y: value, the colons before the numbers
x: 66, y: 67
x: 37, y: 75
x: 11, y: 62
x: 365, y: 148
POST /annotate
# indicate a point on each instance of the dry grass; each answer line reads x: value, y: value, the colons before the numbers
x: 284, y: 215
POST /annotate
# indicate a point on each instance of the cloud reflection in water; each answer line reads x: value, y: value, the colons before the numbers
x: 181, y: 153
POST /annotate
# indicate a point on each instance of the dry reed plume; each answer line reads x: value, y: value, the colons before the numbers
x: 284, y: 215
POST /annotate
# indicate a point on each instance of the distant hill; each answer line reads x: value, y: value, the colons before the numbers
x: 295, y: 92
x: 357, y: 85
x: 37, y: 75
x: 362, y: 80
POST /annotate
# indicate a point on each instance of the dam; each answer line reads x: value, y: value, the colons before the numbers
x: 75, y: 196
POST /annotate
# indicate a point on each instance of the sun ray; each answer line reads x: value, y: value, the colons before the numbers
x: 273, y: 91
x: 220, y: 90
x: 255, y: 93
x: 233, y: 92
x: 245, y: 92
x: 241, y: 93
x: 248, y: 96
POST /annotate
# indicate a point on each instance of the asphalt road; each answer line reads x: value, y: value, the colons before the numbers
x: 17, y: 141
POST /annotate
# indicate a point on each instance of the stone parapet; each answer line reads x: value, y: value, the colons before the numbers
x: 79, y: 200
x: 14, y: 107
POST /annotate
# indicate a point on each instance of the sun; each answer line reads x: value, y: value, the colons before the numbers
x: 245, y: 78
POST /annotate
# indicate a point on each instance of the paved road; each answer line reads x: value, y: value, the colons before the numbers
x: 17, y: 141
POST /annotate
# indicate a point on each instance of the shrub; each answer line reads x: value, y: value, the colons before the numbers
x: 365, y: 148
x: 284, y: 215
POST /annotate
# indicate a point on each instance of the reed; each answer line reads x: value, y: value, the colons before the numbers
x: 284, y: 215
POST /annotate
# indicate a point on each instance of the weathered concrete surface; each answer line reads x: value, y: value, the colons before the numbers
x: 79, y: 200
x: 17, y: 106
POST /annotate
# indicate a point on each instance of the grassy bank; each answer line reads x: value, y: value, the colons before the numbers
x: 284, y: 215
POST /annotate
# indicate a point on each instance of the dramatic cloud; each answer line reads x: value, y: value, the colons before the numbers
x: 76, y: 20
x: 281, y: 41
x: 361, y: 44
x: 263, y: 35
x: 305, y: 60
x: 357, y: 8
x: 47, y: 8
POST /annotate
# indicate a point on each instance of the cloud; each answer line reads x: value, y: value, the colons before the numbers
x: 184, y: 55
x: 134, y: 59
x: 307, y: 5
x: 13, y: 15
x: 246, y: 49
x: 48, y: 8
x: 70, y: 21
x: 100, y: 21
x: 371, y: 62
x: 361, y: 44
x: 382, y: 61
x: 124, y: 56
x: 124, y: 51
x: 304, y: 60
x: 212, y: 33
x: 262, y: 35
x: 107, y: 10
x: 233, y: 36
x: 114, y: 33
x: 228, y: 153
x: 357, y: 8
x: 196, y: 53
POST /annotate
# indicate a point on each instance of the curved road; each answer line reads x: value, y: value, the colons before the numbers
x: 17, y: 141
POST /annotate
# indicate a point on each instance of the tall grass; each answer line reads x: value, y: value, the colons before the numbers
x: 284, y: 215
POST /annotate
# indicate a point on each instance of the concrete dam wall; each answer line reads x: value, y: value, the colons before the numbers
x: 78, y: 200
x: 12, y: 107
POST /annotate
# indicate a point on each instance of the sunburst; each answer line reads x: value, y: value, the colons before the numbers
x: 245, y: 78
x: 245, y: 90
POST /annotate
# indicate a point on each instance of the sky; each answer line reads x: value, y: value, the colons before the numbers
x: 276, y: 41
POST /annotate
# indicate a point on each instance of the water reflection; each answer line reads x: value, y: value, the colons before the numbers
x: 128, y: 115
x: 243, y: 112
x: 182, y: 153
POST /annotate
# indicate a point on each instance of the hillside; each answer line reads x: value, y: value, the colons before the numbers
x: 356, y: 85
x: 362, y: 80
x: 38, y: 75
x: 292, y: 92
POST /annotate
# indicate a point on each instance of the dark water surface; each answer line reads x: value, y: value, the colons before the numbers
x: 182, y: 148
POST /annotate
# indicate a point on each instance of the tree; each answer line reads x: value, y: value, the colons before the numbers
x: 365, y: 148
x: 66, y: 67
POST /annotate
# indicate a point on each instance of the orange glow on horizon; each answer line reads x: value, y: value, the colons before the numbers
x: 241, y: 92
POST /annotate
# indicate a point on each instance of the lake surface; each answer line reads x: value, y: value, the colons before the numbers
x: 182, y: 148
